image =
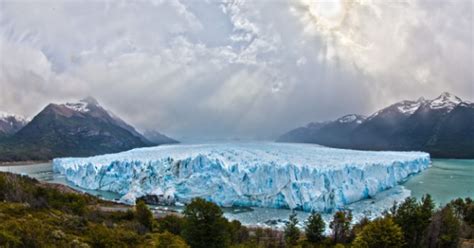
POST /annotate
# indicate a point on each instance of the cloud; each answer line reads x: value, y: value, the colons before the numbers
x: 249, y: 69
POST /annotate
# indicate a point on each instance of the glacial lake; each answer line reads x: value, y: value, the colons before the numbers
x: 445, y: 180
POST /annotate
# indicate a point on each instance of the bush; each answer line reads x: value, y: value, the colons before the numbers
x: 166, y: 240
x: 7, y: 239
x: 238, y: 233
x: 172, y: 224
x: 380, y: 233
x: 102, y: 237
x: 143, y: 215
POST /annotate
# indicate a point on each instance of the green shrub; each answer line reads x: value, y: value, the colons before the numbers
x: 144, y: 215
x: 171, y: 223
x: 7, y: 239
x: 166, y: 240
x: 380, y: 233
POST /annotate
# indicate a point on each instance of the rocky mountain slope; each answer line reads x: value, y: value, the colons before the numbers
x: 10, y: 124
x: 83, y: 128
x: 443, y: 126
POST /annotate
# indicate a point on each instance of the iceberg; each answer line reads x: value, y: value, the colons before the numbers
x: 271, y: 175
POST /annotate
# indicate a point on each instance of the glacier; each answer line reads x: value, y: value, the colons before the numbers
x: 271, y: 175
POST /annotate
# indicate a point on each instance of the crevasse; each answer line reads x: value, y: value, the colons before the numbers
x: 276, y: 175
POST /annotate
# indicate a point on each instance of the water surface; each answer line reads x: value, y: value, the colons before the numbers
x: 445, y: 180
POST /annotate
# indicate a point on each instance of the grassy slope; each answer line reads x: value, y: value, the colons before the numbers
x: 42, y: 215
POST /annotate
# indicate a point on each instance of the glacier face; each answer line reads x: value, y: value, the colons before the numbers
x: 276, y: 175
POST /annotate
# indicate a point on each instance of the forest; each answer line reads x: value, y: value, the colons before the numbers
x: 35, y: 214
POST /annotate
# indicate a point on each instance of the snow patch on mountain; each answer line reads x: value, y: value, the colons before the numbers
x: 351, y: 118
x: 409, y: 107
x: 445, y: 100
x: 5, y: 116
x: 275, y: 175
x: 12, y: 120
x: 81, y: 106
x: 78, y: 107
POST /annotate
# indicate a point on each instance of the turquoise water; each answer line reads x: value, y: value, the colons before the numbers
x: 445, y: 180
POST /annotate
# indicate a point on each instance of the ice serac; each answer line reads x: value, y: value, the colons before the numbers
x: 276, y: 175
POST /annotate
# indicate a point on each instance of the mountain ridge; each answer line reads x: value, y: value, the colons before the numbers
x: 422, y: 125
x: 76, y: 129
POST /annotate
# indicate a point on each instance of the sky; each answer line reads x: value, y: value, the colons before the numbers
x: 230, y: 69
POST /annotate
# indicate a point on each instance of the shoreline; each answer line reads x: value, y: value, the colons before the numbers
x: 27, y: 162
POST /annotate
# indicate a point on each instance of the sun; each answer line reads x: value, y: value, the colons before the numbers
x: 329, y: 21
x: 328, y: 14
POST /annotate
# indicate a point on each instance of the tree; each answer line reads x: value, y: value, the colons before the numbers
x: 464, y: 210
x: 144, y: 215
x: 340, y: 226
x: 357, y: 228
x: 414, y: 217
x: 204, y: 225
x: 380, y: 233
x: 292, y: 233
x: 314, y: 228
x: 443, y: 230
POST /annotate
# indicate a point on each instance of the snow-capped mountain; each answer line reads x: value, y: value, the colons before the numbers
x: 80, y: 128
x: 11, y: 123
x: 445, y: 101
x: 406, y: 125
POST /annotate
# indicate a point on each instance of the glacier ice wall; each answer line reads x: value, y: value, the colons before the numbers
x: 277, y: 175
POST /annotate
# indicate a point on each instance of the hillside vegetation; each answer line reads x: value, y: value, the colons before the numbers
x: 35, y: 214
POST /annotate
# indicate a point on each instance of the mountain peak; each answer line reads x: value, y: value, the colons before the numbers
x: 421, y: 99
x: 90, y: 100
x: 82, y: 105
x: 449, y: 97
x: 409, y: 107
x: 445, y: 100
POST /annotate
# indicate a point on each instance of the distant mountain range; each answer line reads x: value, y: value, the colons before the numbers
x: 10, y: 124
x: 76, y: 129
x: 158, y: 138
x: 444, y: 127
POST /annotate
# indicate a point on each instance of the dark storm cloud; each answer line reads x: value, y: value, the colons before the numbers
x: 250, y: 69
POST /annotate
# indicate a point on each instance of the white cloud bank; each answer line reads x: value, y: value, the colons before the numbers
x: 251, y: 69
